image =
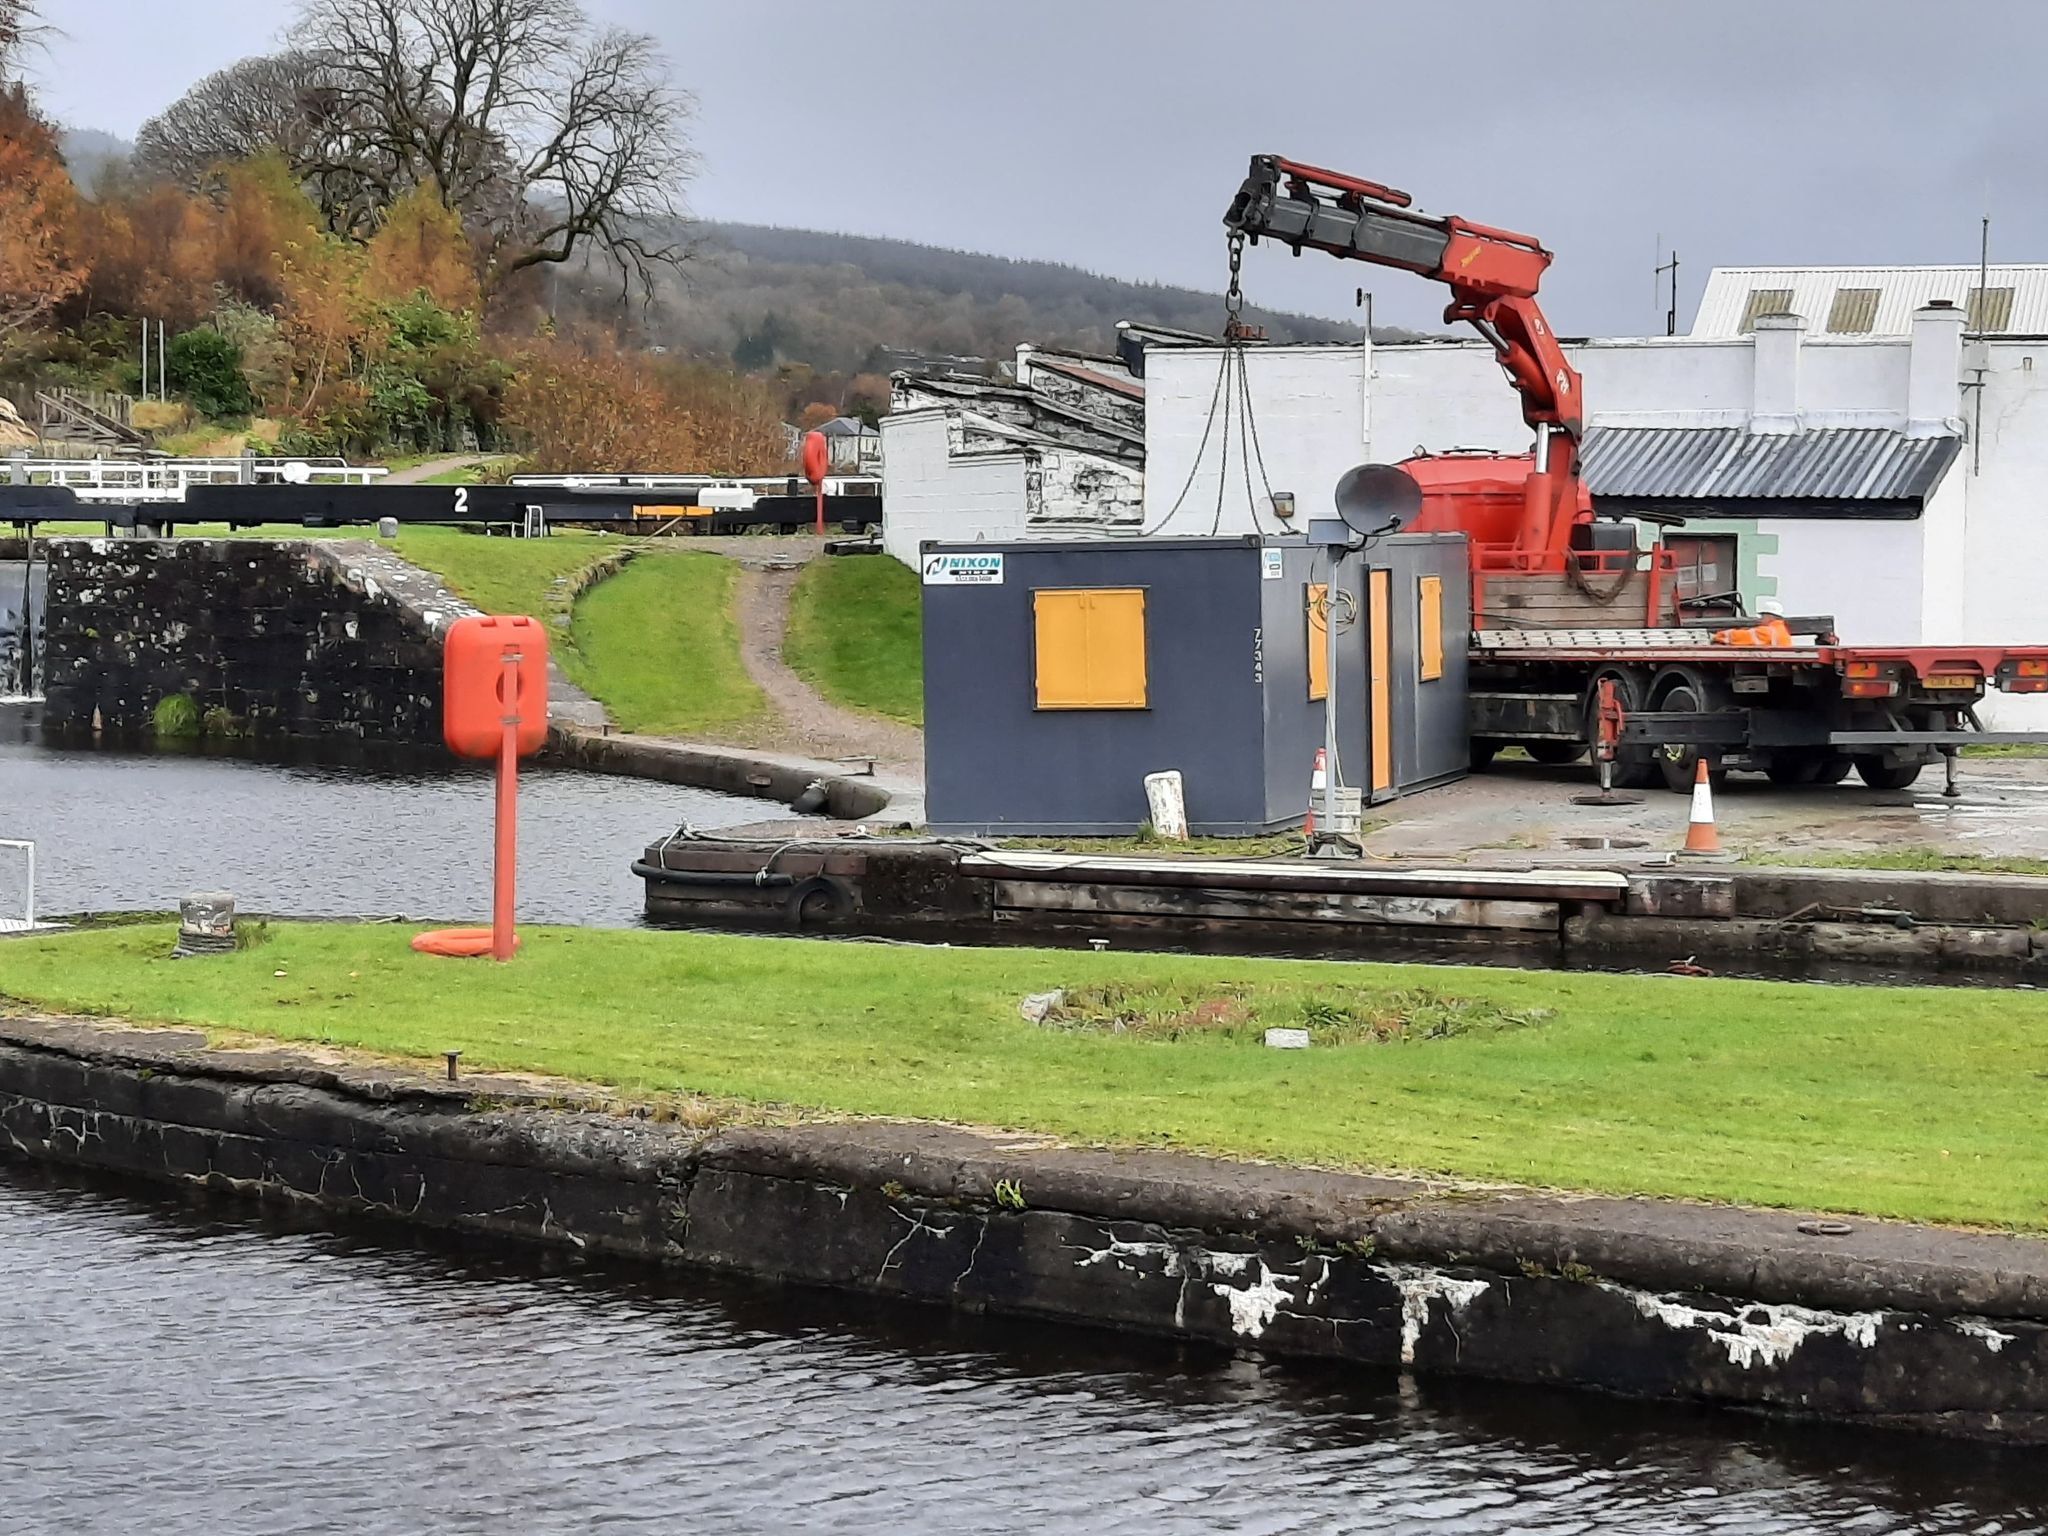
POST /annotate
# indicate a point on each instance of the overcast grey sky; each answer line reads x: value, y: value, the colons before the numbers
x: 1111, y: 133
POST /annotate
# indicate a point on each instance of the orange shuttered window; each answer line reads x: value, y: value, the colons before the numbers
x: 1090, y: 647
x: 1318, y: 642
x: 1429, y: 612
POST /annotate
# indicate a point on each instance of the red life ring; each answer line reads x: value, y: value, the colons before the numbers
x: 460, y: 942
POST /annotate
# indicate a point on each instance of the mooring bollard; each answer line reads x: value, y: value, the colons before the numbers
x: 206, y: 924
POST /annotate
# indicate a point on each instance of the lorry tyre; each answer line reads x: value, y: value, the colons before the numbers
x: 1833, y: 769
x: 1555, y: 752
x: 1879, y: 774
x: 1633, y: 768
x: 1684, y: 689
x: 1794, y: 766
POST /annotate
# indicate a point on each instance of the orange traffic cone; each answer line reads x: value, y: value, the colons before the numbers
x: 1701, y: 840
x: 1318, y: 781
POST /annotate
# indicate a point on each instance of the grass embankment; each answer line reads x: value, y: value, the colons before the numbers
x: 658, y: 644
x: 1909, y: 859
x: 1903, y: 1103
x: 855, y: 634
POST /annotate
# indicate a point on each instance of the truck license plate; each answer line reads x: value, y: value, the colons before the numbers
x: 1951, y: 680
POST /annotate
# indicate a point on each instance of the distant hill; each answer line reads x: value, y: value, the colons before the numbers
x: 89, y: 151
x: 760, y: 293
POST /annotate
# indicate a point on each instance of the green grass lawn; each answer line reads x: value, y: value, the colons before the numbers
x: 659, y: 643
x: 855, y: 634
x: 1909, y: 1103
x: 502, y: 575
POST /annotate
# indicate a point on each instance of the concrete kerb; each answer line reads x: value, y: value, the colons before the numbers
x: 1863, y: 1320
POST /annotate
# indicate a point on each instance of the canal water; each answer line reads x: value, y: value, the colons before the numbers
x: 135, y: 831
x: 179, y: 1369
x: 175, y: 1368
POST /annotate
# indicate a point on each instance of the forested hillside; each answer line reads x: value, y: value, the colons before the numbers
x: 760, y: 294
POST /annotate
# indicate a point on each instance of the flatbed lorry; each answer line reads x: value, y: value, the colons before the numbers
x: 1582, y: 643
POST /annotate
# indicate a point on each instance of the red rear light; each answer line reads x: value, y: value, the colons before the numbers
x: 1870, y: 688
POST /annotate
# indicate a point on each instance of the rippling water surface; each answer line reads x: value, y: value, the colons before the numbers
x: 172, y: 1370
x: 132, y: 831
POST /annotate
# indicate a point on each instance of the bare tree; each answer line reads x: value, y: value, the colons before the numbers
x: 550, y: 137
x: 19, y: 31
x: 283, y: 102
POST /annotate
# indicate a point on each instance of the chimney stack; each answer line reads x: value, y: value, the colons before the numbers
x: 1774, y: 406
x: 1934, y: 394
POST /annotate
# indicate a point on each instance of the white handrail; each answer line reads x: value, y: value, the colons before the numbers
x: 133, y: 480
x: 28, y: 919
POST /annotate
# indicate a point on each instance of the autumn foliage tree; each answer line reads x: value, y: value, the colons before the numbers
x: 422, y: 249
x: 37, y: 201
x: 605, y: 410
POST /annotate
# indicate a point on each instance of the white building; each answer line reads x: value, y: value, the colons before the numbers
x: 1058, y: 452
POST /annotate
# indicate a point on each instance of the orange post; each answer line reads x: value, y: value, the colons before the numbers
x: 494, y: 707
x: 817, y: 460
x: 505, y: 860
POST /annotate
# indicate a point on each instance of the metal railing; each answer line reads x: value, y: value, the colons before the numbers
x: 147, y: 480
x: 27, y: 921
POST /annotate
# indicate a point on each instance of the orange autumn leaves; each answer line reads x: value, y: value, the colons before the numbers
x: 38, y: 266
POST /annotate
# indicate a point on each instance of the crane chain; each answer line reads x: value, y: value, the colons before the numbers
x: 1233, y: 296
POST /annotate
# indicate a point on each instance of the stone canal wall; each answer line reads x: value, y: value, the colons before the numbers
x: 1836, y: 924
x: 1858, y: 1321
x: 265, y: 639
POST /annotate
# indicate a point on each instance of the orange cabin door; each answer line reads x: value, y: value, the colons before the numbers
x: 1379, y: 668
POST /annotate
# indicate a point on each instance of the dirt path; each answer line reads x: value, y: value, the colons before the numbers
x: 419, y: 474
x: 811, y: 724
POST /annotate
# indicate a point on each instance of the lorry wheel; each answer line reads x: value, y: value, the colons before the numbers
x: 1680, y: 764
x: 1794, y: 767
x: 1879, y: 774
x: 1833, y: 769
x: 1555, y: 752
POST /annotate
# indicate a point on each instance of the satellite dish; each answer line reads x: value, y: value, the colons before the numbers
x: 1375, y: 498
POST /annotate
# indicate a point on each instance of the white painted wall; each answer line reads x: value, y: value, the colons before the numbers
x: 928, y: 493
x: 1309, y: 404
x: 950, y: 475
x: 1875, y: 577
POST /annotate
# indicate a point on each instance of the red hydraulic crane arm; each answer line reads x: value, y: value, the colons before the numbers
x: 1493, y: 275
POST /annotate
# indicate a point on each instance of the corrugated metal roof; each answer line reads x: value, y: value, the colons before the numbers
x: 1731, y: 463
x: 1725, y: 304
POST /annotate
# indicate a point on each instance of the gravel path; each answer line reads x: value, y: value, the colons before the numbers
x: 419, y: 474
x: 811, y: 724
